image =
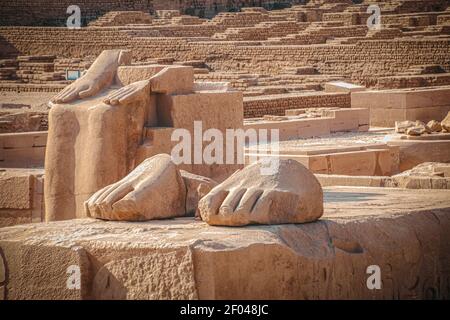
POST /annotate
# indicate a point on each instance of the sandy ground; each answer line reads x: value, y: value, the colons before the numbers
x: 37, y: 101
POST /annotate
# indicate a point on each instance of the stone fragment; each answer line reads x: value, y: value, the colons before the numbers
x: 402, y: 126
x: 256, y: 195
x: 434, y: 126
x: 416, y: 131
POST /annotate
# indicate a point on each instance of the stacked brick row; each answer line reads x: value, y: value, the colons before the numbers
x: 119, y: 18
x: 8, y: 69
x: 64, y: 64
x: 277, y: 105
x: 37, y: 69
x: 53, y: 13
x: 261, y: 31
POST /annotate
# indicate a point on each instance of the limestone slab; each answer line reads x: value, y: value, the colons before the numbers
x: 404, y: 232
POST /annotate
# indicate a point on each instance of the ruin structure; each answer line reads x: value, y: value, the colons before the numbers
x: 350, y: 168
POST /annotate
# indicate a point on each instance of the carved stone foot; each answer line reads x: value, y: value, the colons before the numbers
x: 154, y: 190
x: 291, y: 195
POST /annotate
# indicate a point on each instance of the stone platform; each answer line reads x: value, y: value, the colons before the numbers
x: 404, y: 232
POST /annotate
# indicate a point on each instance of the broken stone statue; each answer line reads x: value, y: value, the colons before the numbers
x: 157, y: 189
x: 103, y: 125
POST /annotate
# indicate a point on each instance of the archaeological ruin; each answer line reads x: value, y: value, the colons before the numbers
x: 154, y: 150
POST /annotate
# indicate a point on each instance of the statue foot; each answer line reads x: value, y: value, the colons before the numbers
x: 290, y: 195
x: 154, y: 190
x: 99, y: 76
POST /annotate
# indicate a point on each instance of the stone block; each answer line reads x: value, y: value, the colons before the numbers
x: 341, y: 86
x: 15, y: 191
x: 155, y: 259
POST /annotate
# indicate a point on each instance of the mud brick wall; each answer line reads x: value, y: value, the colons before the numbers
x: 175, y: 31
x: 26, y: 87
x: 53, y: 12
x: 411, y: 20
x: 443, y: 19
x: 255, y: 107
x: 66, y: 43
x: 363, y: 62
x: 398, y: 82
x: 118, y: 18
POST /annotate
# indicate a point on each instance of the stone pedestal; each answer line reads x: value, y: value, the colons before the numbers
x: 403, y: 232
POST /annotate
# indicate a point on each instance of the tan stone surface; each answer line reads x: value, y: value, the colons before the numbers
x: 415, y: 152
x: 196, y: 188
x: 130, y: 74
x: 15, y: 190
x: 341, y: 86
x: 388, y: 106
x: 21, y: 196
x: 403, y: 232
x: 425, y: 176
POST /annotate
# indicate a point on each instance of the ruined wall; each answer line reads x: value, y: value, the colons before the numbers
x: 278, y: 104
x: 53, y: 12
x: 363, y: 62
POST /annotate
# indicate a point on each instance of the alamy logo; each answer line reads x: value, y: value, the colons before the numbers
x: 374, y: 20
x: 74, y: 20
x: 74, y: 280
x: 374, y: 280
x: 226, y: 150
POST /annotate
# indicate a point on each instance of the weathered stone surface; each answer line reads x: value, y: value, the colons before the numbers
x: 15, y: 190
x: 196, y: 188
x: 429, y: 175
x: 405, y: 233
x: 414, y: 151
x: 156, y: 275
x: 21, y: 196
